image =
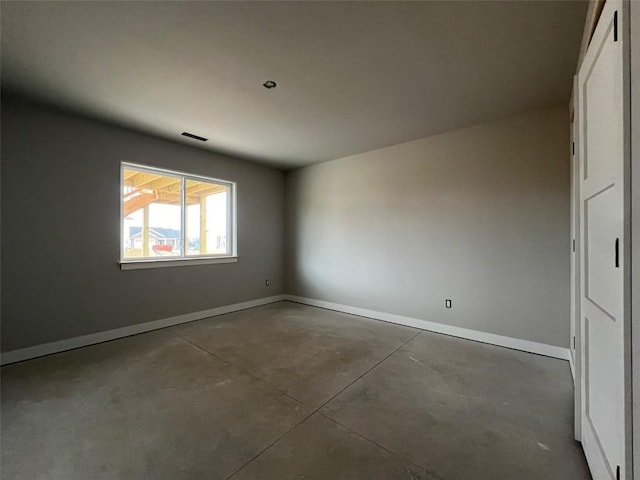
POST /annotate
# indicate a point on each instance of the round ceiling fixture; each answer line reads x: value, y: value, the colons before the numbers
x: 269, y: 84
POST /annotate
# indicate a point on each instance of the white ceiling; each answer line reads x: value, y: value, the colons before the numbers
x: 352, y: 76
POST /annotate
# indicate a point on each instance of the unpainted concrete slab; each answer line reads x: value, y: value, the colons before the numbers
x: 320, y: 449
x: 309, y: 353
x: 238, y: 395
x: 136, y: 409
x: 466, y: 411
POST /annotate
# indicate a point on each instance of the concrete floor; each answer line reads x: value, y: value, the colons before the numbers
x: 287, y: 391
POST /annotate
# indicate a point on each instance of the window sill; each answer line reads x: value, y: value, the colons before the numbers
x: 174, y: 262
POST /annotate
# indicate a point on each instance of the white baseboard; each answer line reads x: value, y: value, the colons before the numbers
x: 85, y: 340
x: 502, y: 341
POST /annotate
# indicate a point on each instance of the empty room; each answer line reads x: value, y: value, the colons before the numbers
x: 320, y: 240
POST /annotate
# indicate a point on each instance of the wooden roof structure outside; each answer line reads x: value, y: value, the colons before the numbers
x: 148, y: 188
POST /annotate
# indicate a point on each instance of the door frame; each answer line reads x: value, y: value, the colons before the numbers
x: 632, y: 30
x: 575, y: 249
x: 627, y: 253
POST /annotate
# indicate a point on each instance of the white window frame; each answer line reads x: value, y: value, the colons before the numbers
x: 184, y: 259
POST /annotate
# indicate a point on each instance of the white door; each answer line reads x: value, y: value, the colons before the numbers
x: 601, y: 155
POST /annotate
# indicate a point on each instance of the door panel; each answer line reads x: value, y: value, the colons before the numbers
x: 600, y: 412
x: 603, y: 133
x: 603, y: 281
x: 601, y: 142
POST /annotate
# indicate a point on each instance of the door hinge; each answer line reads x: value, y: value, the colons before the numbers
x: 573, y: 148
x: 618, y: 472
x: 617, y: 253
x: 574, y: 342
x: 574, y: 245
x: 615, y: 26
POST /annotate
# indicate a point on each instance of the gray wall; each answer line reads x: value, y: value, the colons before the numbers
x: 60, y: 238
x: 479, y: 215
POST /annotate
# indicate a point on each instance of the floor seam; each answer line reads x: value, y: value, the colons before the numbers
x: 360, y: 316
x: 319, y: 407
x: 242, y: 369
x: 203, y: 349
x: 379, y: 445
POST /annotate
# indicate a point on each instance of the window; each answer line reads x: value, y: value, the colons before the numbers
x: 171, y: 217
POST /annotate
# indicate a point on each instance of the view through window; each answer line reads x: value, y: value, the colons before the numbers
x: 174, y: 215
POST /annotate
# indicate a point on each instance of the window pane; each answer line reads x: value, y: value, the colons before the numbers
x: 207, y: 221
x: 152, y: 218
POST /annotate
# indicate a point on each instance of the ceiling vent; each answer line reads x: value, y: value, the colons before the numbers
x: 195, y: 137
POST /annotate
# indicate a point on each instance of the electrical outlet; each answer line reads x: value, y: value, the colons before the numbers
x: 447, y: 303
x: 267, y: 283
